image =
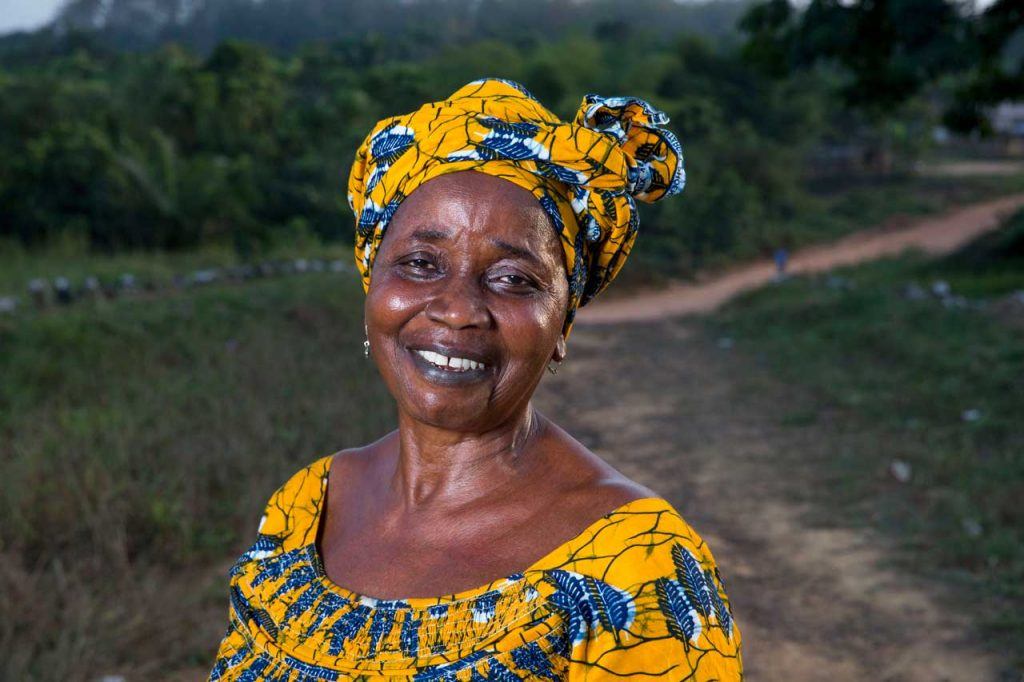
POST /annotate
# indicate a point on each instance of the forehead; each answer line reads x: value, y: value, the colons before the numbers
x: 473, y: 204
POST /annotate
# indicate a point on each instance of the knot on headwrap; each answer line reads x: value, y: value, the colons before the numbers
x: 585, y: 174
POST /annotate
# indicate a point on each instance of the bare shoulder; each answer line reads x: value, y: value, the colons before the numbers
x: 588, y: 482
x: 351, y: 462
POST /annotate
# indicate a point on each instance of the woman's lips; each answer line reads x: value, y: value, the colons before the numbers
x: 465, y: 371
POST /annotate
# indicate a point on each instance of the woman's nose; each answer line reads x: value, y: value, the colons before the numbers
x: 458, y: 303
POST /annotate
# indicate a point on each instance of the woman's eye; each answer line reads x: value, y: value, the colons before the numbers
x: 419, y: 263
x: 514, y: 280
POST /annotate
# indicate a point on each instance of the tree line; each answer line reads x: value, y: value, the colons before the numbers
x: 173, y: 147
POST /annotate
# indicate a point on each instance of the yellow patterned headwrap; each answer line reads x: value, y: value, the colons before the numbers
x: 585, y: 174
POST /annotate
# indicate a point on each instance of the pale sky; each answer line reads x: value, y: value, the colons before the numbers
x: 28, y: 14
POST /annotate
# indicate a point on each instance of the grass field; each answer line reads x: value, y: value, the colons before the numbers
x: 140, y: 440
x: 939, y: 381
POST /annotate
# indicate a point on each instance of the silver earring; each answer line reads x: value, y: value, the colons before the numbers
x: 555, y: 368
x: 366, y: 343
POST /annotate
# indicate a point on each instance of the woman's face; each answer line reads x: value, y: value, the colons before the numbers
x: 470, y: 273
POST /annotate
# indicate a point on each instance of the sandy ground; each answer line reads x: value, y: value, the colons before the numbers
x: 816, y: 598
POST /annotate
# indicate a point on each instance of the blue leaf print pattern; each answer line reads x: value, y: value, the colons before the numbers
x: 325, y: 608
x: 300, y: 577
x: 588, y: 600
x: 381, y: 624
x: 682, y: 620
x: 255, y: 670
x: 593, y: 230
x: 513, y: 147
x: 509, y: 128
x: 533, y: 659
x: 372, y: 213
x: 690, y: 576
x: 614, y: 608
x: 391, y: 207
x: 376, y: 176
x: 410, y: 641
x: 390, y: 143
x: 721, y: 612
x: 483, y: 607
x: 275, y: 567
x: 571, y: 600
x: 499, y: 673
x: 503, y: 145
x: 551, y: 208
x: 560, y: 173
x: 347, y: 627
x: 304, y: 602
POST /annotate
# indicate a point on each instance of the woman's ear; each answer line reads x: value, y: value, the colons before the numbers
x: 560, y: 350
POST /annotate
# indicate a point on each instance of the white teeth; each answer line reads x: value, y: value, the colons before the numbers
x: 457, y: 364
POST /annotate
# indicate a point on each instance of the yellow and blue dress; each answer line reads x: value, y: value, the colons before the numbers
x: 636, y: 595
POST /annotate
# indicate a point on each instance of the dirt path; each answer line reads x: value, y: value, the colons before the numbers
x: 816, y: 600
x: 934, y: 235
x: 959, y: 169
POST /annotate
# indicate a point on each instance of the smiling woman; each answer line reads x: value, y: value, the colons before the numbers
x: 470, y: 270
x: 480, y: 541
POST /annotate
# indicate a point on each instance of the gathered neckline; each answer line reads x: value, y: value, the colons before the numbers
x: 498, y: 585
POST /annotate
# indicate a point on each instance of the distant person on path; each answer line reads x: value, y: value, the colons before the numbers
x: 781, y: 259
x: 479, y: 540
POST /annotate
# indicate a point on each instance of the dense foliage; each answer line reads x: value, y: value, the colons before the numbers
x: 199, y: 140
x: 169, y: 149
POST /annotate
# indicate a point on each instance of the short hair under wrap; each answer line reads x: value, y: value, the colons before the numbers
x: 585, y: 174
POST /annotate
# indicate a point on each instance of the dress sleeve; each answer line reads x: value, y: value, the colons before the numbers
x: 660, y: 610
x: 289, y: 521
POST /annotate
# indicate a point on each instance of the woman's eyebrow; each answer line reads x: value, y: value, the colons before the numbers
x: 433, y: 235
x: 514, y: 250
x: 428, y: 235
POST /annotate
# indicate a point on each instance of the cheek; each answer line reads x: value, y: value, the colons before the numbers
x: 390, y: 302
x: 531, y: 331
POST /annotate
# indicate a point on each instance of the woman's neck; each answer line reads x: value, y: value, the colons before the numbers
x: 440, y: 466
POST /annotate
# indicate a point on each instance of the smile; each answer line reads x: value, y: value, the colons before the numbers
x: 449, y: 370
x: 451, y: 364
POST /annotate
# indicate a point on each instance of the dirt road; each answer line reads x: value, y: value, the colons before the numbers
x: 817, y: 599
x: 940, y: 234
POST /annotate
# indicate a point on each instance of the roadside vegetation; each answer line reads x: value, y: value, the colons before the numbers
x: 929, y: 354
x: 140, y: 439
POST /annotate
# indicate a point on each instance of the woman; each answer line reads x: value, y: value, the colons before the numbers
x: 551, y: 564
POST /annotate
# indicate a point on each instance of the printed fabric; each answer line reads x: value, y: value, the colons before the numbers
x: 635, y: 596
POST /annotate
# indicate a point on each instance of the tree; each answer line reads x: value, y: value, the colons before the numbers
x: 890, y: 49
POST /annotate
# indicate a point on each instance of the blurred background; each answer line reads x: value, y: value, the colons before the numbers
x: 180, y: 320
